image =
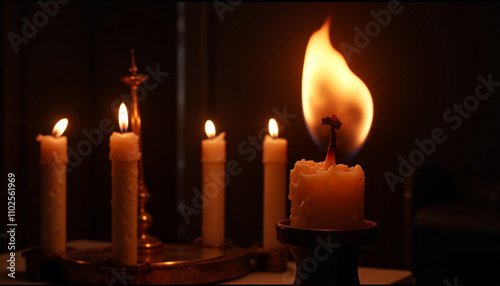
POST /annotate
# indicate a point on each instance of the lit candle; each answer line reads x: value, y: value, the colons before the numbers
x: 53, y: 160
x: 274, y: 159
x: 213, y: 157
x: 326, y: 195
x: 124, y: 154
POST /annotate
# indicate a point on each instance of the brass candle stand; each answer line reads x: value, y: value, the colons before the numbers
x: 158, y: 262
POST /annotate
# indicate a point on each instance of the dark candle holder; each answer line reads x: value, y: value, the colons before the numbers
x: 326, y: 256
x: 272, y: 260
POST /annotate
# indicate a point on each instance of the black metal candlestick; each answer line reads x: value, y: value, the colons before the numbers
x: 326, y: 256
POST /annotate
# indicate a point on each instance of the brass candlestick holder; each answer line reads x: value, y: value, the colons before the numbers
x: 146, y: 243
x: 158, y: 262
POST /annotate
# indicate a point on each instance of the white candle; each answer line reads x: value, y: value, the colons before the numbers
x: 213, y: 157
x: 274, y: 159
x: 53, y: 160
x: 124, y: 154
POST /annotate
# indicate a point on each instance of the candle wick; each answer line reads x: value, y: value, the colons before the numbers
x: 334, y: 123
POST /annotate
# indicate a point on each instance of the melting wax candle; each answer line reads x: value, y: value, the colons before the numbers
x: 324, y: 194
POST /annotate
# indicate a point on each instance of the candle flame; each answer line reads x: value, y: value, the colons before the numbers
x: 273, y: 128
x: 60, y: 127
x: 210, y: 129
x: 123, y: 118
x: 330, y: 87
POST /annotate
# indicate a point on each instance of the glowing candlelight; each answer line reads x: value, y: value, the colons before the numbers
x: 123, y: 118
x: 213, y: 158
x: 326, y: 194
x: 124, y: 154
x: 274, y: 159
x: 53, y: 160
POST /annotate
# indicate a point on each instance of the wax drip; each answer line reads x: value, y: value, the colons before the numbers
x: 334, y: 123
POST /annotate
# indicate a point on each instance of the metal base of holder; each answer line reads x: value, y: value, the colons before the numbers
x: 228, y: 244
x: 175, y: 264
x: 326, y: 256
x: 149, y: 245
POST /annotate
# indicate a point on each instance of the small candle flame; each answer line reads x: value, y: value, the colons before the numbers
x: 210, y: 129
x: 273, y: 128
x: 123, y: 118
x: 60, y: 127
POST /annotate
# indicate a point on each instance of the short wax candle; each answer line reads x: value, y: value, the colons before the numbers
x: 213, y: 158
x: 325, y: 195
x: 124, y: 154
x: 53, y: 160
x: 274, y: 160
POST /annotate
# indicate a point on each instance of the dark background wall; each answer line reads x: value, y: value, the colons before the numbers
x: 239, y: 68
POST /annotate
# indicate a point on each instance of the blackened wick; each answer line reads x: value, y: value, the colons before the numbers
x: 334, y: 123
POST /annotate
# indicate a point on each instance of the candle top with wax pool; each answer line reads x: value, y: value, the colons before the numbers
x: 274, y: 150
x: 326, y: 195
x: 213, y: 150
x: 53, y: 149
x: 124, y: 147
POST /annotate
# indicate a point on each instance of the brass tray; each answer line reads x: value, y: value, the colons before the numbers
x: 176, y: 264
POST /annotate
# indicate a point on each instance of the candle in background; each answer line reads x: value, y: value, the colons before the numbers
x: 124, y: 154
x: 213, y: 158
x: 274, y: 159
x: 53, y: 160
x: 326, y: 195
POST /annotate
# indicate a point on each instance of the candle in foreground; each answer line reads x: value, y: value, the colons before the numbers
x: 326, y: 195
x: 274, y: 160
x: 213, y: 158
x: 53, y: 160
x: 124, y: 154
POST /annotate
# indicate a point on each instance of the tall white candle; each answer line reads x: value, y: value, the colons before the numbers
x: 124, y: 154
x: 274, y: 159
x: 213, y: 157
x: 53, y: 160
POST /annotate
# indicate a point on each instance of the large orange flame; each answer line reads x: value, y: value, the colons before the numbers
x: 330, y: 87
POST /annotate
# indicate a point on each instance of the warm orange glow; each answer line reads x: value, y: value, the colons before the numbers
x: 210, y: 129
x: 273, y: 128
x: 330, y: 87
x: 123, y: 118
x: 60, y: 127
